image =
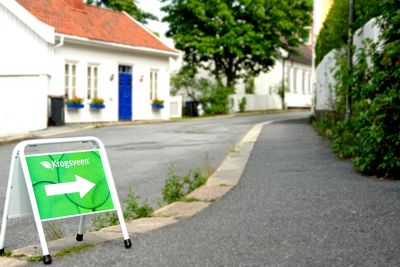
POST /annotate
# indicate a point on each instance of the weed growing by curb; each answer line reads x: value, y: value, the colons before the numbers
x: 74, y: 249
x: 132, y: 211
x: 35, y: 258
x: 177, y: 187
x: 173, y: 187
x: 7, y: 253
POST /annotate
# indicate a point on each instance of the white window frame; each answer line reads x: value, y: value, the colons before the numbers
x: 92, y: 81
x: 70, y: 79
x: 154, y: 75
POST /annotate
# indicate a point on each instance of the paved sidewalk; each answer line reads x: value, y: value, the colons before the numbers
x: 296, y: 204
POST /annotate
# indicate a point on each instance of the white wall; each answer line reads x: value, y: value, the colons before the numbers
x: 255, y: 102
x: 24, y: 105
x: 22, y: 50
x: 108, y: 61
x: 25, y: 58
x: 325, y: 86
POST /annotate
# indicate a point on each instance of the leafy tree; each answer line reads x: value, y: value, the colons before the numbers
x: 129, y: 6
x: 234, y: 38
x: 334, y: 31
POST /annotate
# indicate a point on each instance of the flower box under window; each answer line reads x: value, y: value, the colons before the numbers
x: 157, y: 106
x: 97, y: 106
x: 74, y: 106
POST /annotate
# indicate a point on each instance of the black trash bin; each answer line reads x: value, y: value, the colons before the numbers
x: 56, y: 111
x: 191, y: 108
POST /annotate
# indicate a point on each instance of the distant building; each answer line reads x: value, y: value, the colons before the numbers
x: 68, y: 49
x: 295, y: 70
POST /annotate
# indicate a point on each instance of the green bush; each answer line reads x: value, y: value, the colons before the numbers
x: 133, y: 210
x: 177, y: 187
x: 324, y: 124
x: 371, y: 137
x: 242, y: 104
x: 173, y: 188
x: 216, y: 100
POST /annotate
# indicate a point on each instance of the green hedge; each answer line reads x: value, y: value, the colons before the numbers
x: 371, y: 137
x: 335, y: 28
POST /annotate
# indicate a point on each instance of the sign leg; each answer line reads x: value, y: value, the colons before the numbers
x: 14, y: 157
x: 4, y: 225
x: 79, y: 235
x: 127, y: 240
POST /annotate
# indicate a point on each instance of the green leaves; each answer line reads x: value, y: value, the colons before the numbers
x: 237, y: 36
x: 335, y: 28
x: 129, y: 6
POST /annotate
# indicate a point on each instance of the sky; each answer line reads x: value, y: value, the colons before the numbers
x: 153, y: 7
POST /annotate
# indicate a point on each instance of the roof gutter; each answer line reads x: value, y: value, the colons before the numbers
x: 103, y: 44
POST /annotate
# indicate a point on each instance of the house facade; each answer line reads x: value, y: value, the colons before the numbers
x: 295, y: 70
x: 84, y: 54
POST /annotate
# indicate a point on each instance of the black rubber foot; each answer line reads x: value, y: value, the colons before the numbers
x: 2, y: 252
x: 47, y: 259
x: 128, y: 243
x: 79, y: 237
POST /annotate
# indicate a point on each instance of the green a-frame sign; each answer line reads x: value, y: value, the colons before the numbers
x: 60, y: 185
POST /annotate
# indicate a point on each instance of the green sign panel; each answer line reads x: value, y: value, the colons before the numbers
x: 69, y: 184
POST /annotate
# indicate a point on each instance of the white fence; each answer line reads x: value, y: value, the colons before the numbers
x: 255, y: 102
x: 325, y: 81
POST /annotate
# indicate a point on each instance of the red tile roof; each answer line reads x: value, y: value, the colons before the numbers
x: 72, y: 17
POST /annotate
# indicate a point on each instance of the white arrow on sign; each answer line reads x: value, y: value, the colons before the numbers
x: 81, y: 186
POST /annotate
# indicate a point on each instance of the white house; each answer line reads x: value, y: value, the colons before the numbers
x: 25, y: 69
x: 74, y: 50
x: 295, y: 70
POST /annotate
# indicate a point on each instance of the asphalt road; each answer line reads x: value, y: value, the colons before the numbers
x: 296, y: 205
x: 139, y: 156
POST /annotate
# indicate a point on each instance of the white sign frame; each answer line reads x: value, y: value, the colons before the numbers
x: 20, y: 190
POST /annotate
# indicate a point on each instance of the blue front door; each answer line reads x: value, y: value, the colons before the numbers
x: 125, y: 96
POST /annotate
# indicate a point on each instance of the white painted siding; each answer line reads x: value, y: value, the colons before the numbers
x: 22, y: 51
x: 25, y: 104
x: 108, y: 61
x: 25, y: 63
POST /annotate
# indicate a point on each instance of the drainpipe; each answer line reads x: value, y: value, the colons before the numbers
x: 61, y: 43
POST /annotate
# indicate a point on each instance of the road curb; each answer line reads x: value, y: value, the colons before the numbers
x: 224, y: 179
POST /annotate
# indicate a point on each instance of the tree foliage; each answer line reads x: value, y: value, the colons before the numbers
x: 129, y: 6
x: 334, y: 31
x: 234, y: 37
x: 213, y: 96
